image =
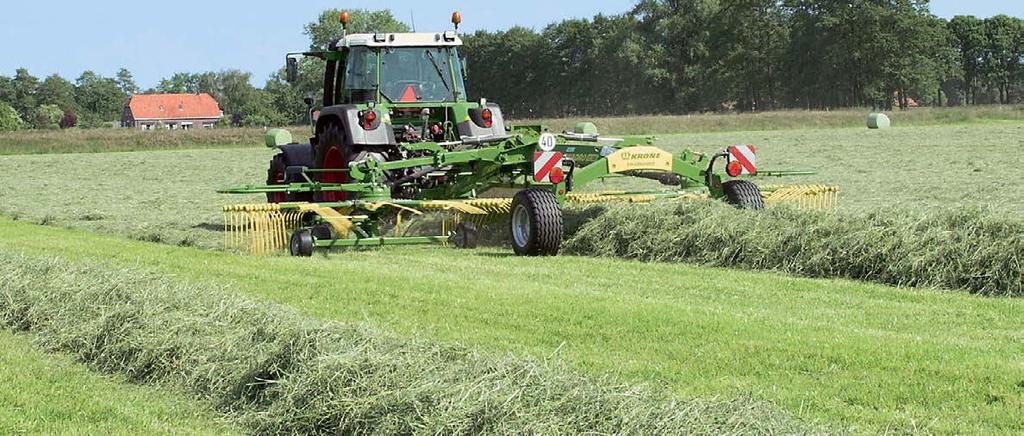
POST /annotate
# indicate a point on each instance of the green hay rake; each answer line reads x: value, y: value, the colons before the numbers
x: 397, y: 138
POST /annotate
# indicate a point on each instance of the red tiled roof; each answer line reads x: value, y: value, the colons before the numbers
x: 173, y: 106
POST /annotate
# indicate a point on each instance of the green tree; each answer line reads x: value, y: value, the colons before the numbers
x: 259, y: 111
x: 48, y: 116
x: 126, y: 82
x: 25, y: 87
x: 970, y: 43
x: 6, y: 90
x: 287, y: 99
x: 234, y: 91
x: 1002, y: 67
x: 746, y: 44
x: 100, y: 98
x: 522, y: 91
x: 677, y: 33
x: 9, y: 119
x: 55, y: 90
x: 179, y: 83
x: 862, y: 52
x: 327, y: 28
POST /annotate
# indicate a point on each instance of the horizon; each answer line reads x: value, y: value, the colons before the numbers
x: 181, y: 43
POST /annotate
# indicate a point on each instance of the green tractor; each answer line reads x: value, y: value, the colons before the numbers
x: 397, y: 135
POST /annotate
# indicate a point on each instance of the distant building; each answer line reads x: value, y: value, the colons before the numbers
x: 171, y: 111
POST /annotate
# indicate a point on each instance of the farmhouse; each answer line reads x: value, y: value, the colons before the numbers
x: 171, y: 111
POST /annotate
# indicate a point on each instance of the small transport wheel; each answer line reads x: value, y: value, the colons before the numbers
x: 302, y: 243
x: 536, y: 223
x: 743, y: 194
x: 465, y: 236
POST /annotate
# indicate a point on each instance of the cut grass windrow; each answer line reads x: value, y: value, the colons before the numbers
x: 965, y: 249
x: 275, y: 371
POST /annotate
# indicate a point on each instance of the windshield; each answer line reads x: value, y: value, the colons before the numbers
x: 407, y: 74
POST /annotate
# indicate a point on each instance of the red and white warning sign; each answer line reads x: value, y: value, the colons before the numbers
x: 547, y: 167
x: 746, y: 157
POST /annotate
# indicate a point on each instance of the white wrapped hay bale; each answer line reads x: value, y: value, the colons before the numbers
x: 879, y: 121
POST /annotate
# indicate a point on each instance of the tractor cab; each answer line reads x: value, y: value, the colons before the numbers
x: 399, y: 88
x: 393, y: 69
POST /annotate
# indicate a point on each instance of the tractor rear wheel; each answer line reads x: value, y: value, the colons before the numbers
x: 536, y: 223
x: 332, y: 154
x: 743, y: 194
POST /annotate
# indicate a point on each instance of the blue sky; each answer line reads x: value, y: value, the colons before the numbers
x: 68, y: 37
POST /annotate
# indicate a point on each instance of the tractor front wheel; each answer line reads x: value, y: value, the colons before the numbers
x: 743, y: 194
x: 536, y: 223
x: 277, y: 175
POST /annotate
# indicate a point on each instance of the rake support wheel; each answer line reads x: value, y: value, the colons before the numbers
x: 301, y: 244
x: 465, y: 237
x: 743, y: 194
x: 536, y: 223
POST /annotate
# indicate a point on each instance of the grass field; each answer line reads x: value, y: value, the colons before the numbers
x: 845, y: 354
x: 50, y: 394
x: 785, y: 120
x: 849, y: 355
x: 110, y: 140
x: 168, y: 196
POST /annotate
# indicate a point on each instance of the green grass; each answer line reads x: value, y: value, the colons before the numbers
x: 50, y: 394
x: 785, y: 120
x: 868, y: 357
x: 276, y: 372
x: 111, y: 140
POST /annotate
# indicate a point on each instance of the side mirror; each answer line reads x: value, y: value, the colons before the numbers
x: 292, y: 70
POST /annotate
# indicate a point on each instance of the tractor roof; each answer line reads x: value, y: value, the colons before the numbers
x: 442, y: 39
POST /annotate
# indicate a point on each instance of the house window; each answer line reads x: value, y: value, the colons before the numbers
x: 186, y: 126
x: 207, y: 125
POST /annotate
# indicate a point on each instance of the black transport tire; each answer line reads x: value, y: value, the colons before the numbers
x: 465, y: 237
x: 301, y: 244
x: 277, y: 174
x: 743, y: 194
x: 332, y: 153
x: 536, y: 223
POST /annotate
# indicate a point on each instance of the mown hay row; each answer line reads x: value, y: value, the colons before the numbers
x: 275, y: 371
x: 966, y: 249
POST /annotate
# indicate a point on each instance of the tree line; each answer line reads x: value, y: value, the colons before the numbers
x: 96, y: 101
x: 680, y: 56
x: 663, y: 56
